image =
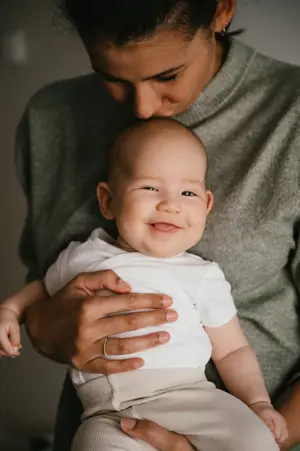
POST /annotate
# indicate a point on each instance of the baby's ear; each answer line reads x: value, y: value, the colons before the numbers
x: 209, y: 200
x: 105, y: 200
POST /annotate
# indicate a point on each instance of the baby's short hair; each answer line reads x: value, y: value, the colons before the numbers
x: 114, y: 148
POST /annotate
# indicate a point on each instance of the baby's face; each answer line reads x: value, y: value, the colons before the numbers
x: 160, y: 202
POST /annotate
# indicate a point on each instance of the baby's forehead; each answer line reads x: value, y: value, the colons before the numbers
x: 154, y: 140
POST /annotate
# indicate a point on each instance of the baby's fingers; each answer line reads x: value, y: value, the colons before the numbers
x: 14, y: 335
x: 270, y: 425
x: 5, y: 354
x: 278, y: 427
x: 282, y: 432
x: 6, y: 347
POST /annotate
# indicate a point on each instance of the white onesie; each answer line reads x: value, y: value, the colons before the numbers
x: 200, y: 293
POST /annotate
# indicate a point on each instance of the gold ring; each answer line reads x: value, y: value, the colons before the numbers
x: 104, y: 347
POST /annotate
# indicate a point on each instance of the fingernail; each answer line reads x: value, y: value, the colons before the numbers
x: 166, y: 301
x: 171, y: 316
x: 121, y: 282
x: 138, y: 363
x: 128, y: 423
x: 163, y: 337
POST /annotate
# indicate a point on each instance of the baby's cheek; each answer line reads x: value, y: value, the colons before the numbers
x: 198, y: 217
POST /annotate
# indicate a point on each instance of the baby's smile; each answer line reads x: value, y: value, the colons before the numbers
x: 164, y: 227
x: 156, y: 192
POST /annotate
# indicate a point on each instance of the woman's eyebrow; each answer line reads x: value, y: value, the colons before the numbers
x: 151, y: 77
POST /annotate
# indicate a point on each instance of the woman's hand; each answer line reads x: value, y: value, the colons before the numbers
x: 155, y: 435
x: 72, y: 326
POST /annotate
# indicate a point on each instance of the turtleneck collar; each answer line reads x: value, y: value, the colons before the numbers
x: 235, y: 66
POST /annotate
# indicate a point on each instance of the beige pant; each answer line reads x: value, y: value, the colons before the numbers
x: 181, y: 400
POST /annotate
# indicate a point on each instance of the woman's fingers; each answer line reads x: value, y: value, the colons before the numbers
x: 93, y: 333
x: 133, y: 321
x: 91, y: 330
x: 155, y: 435
x: 95, y: 360
x: 104, y: 366
x: 123, y: 346
x: 90, y: 283
x: 105, y: 305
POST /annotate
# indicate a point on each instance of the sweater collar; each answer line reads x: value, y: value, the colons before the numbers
x: 234, y: 69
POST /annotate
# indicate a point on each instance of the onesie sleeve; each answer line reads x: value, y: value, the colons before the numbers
x: 61, y: 272
x: 214, y: 300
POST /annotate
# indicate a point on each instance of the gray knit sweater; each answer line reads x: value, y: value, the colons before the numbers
x: 249, y: 120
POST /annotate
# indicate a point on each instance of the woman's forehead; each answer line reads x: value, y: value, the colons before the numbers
x: 164, y: 52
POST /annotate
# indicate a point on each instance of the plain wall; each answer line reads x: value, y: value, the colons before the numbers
x: 29, y: 385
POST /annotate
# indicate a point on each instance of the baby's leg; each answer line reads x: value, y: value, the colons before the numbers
x: 103, y: 433
x: 211, y: 419
x: 103, y: 410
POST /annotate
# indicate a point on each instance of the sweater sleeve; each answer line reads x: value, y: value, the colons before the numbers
x: 295, y: 264
x: 27, y: 250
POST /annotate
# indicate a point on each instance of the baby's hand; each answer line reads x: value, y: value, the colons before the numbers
x: 9, y: 333
x: 273, y: 420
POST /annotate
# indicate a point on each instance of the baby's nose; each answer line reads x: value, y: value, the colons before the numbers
x: 169, y: 207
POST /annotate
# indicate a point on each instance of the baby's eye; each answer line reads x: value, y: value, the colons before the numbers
x: 150, y: 188
x: 188, y: 193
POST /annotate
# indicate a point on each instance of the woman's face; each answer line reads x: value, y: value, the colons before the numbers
x: 160, y: 76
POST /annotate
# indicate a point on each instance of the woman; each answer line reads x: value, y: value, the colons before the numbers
x: 167, y: 58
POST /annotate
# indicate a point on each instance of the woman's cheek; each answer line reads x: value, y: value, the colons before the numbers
x: 117, y: 91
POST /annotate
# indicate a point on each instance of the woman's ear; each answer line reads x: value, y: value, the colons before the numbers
x: 209, y: 200
x: 224, y: 15
x: 105, y: 200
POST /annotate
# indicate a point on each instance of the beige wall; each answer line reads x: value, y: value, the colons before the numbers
x: 29, y: 385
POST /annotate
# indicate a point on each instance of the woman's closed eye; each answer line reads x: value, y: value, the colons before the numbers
x: 166, y: 78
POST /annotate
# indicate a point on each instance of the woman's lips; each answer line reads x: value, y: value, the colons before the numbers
x: 164, y: 227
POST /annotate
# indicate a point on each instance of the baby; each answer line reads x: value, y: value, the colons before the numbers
x: 156, y: 192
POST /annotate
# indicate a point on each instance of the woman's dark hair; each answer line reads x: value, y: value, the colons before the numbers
x: 123, y: 21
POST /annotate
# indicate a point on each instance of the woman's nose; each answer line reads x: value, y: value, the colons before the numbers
x: 168, y: 206
x: 147, y: 101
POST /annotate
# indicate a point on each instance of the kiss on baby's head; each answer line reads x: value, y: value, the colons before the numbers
x: 156, y: 188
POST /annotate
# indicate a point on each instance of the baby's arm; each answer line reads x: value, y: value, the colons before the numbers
x: 12, y: 312
x: 237, y: 363
x: 241, y: 373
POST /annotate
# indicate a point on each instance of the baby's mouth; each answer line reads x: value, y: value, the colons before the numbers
x: 164, y: 227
